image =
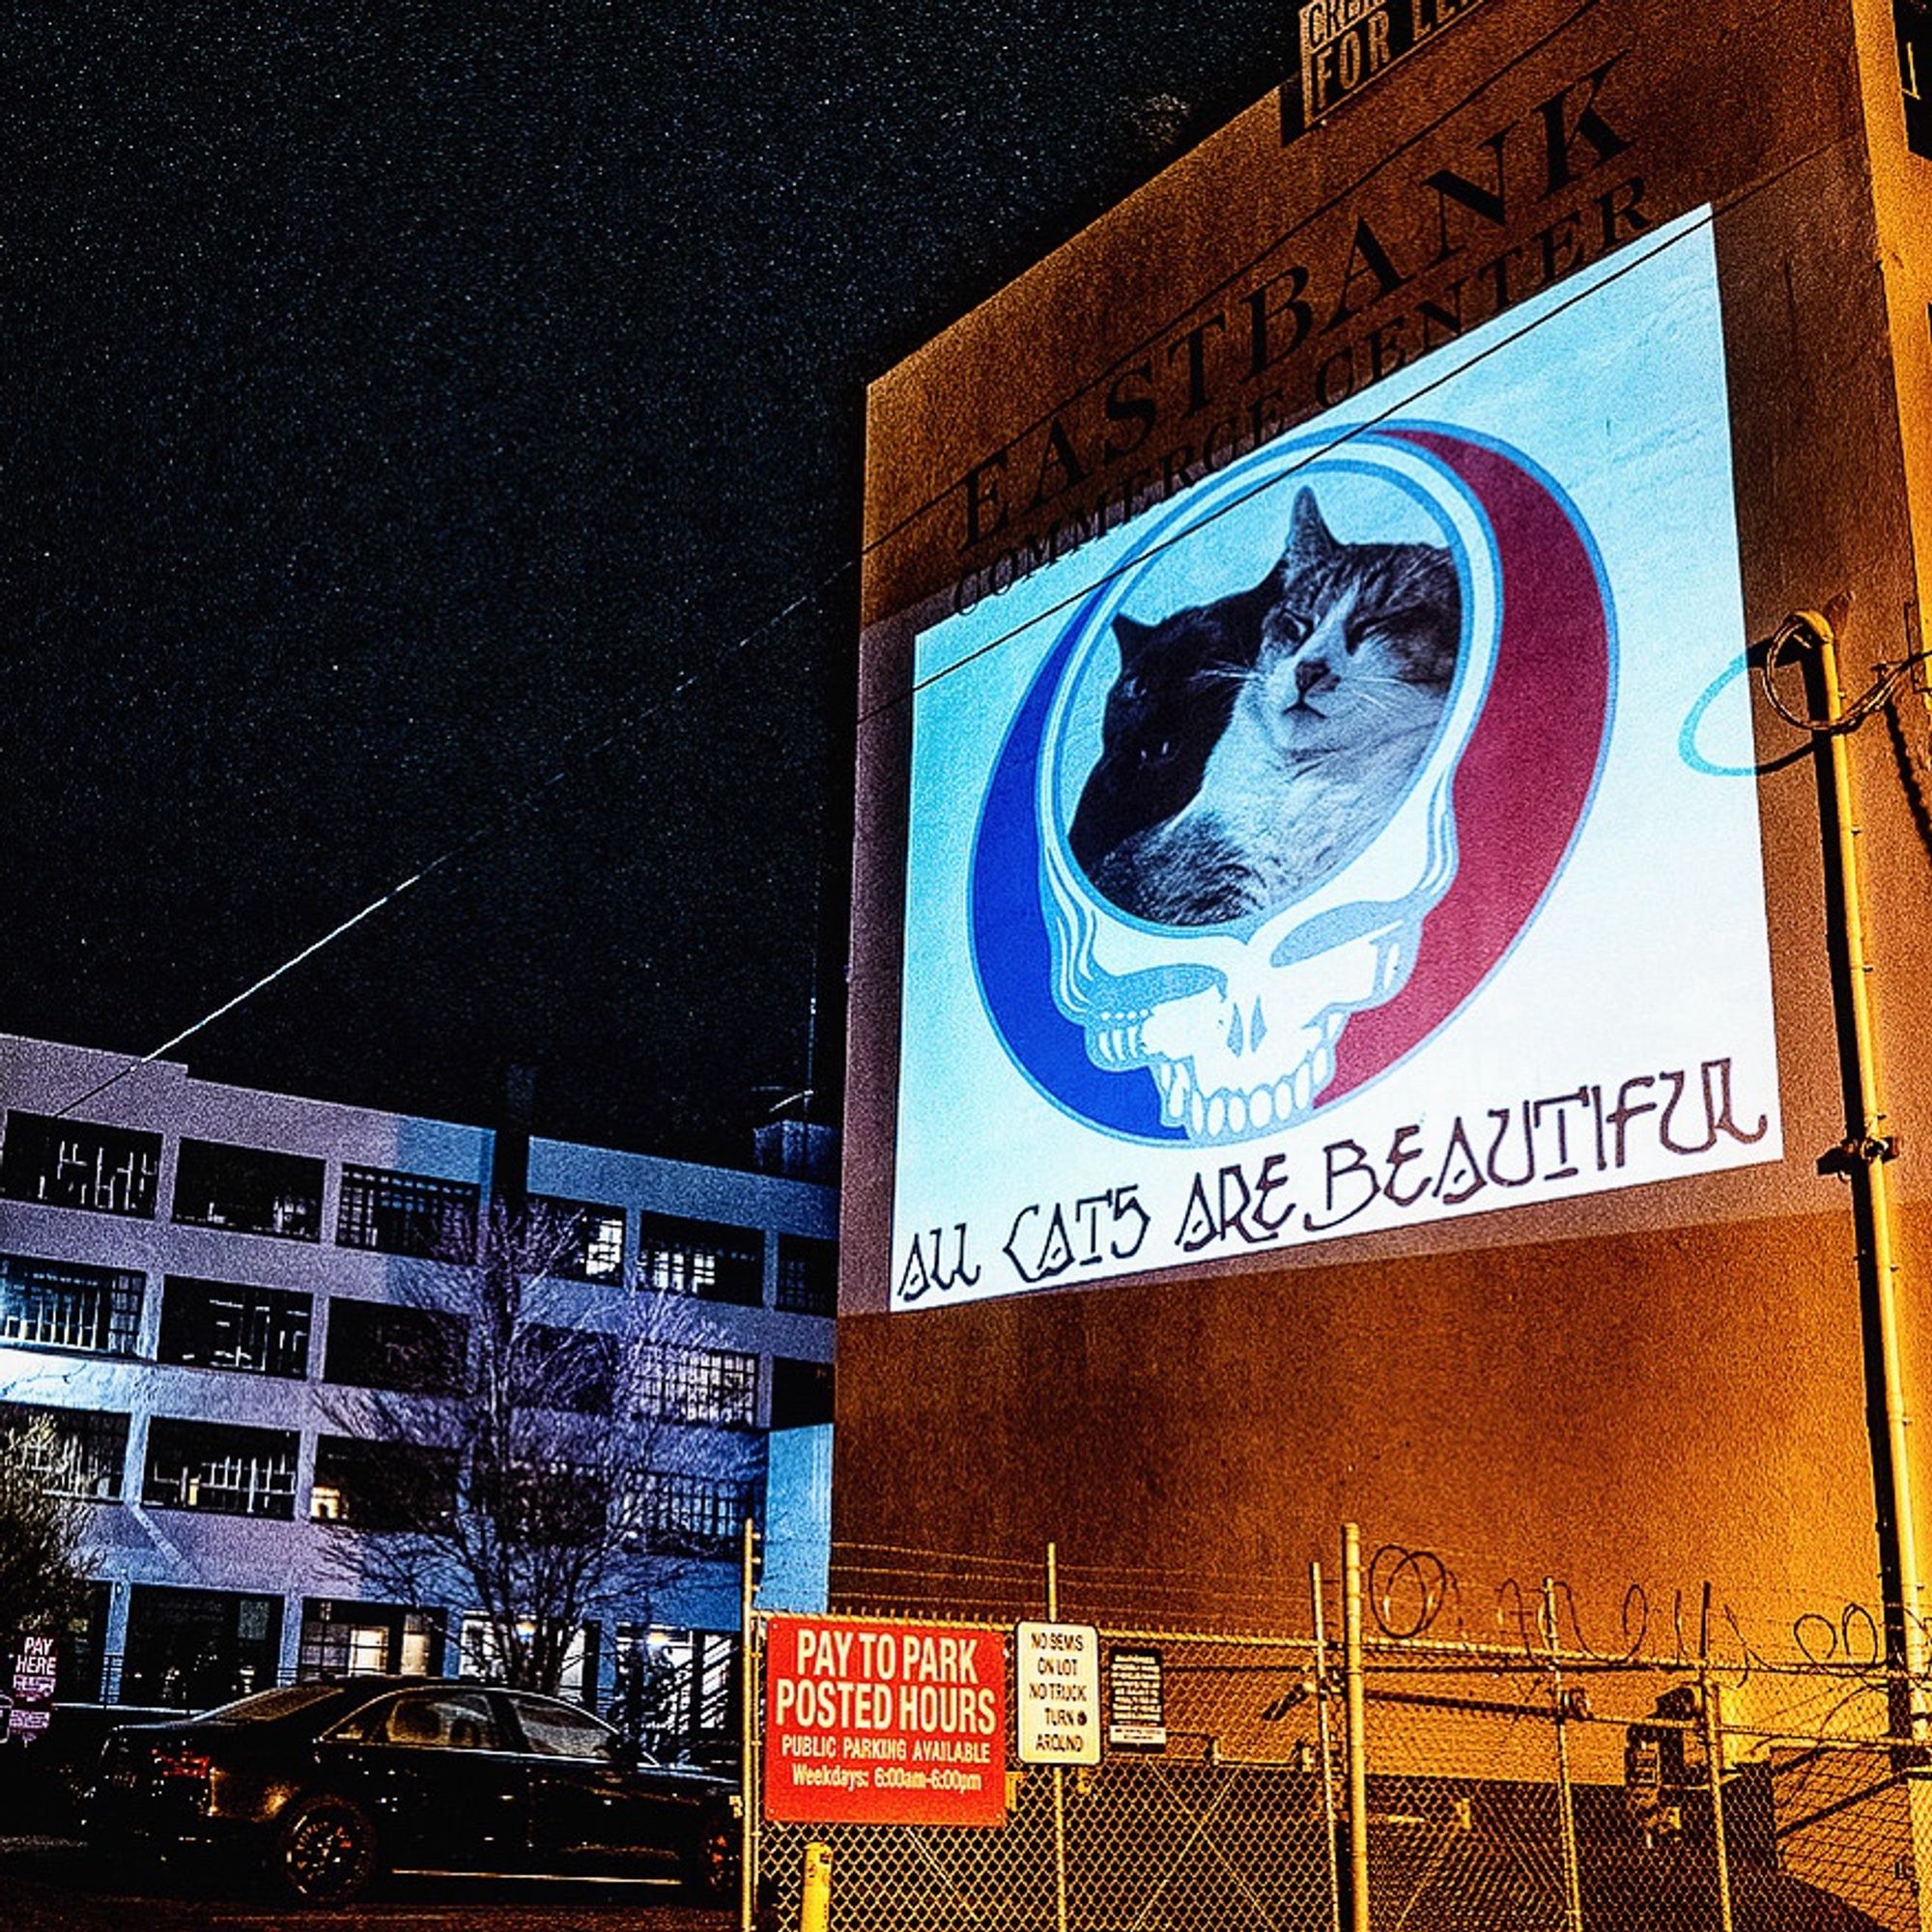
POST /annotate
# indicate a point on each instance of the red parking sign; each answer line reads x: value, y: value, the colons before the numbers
x: 884, y: 1723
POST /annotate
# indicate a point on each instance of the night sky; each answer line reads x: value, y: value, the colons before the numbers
x: 406, y: 404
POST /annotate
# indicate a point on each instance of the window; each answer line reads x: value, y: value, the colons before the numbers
x: 265, y: 1707
x: 560, y: 1730
x: 800, y: 1393
x: 344, y: 1649
x: 377, y: 1345
x: 248, y: 1191
x: 340, y: 1639
x: 380, y: 1486
x: 478, y: 1652
x: 426, y: 1720
x: 544, y: 1505
x: 89, y: 1311
x: 572, y: 1369
x: 407, y: 1214
x: 227, y: 1472
x: 703, y: 1386
x: 211, y: 1325
x: 77, y: 1164
x: 198, y: 1647
x: 701, y: 1258
x: 808, y: 1275
x: 77, y: 1452
x: 696, y: 1512
x: 581, y: 1240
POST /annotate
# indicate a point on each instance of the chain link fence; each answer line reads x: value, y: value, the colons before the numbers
x: 1479, y: 1786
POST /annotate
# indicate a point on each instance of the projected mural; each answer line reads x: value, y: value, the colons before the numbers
x: 1357, y: 837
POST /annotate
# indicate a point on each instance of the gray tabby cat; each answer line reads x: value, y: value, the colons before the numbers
x: 1358, y: 649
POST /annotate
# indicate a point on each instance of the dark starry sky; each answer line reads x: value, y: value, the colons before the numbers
x: 403, y: 403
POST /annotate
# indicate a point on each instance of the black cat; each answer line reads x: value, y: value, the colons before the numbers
x: 1165, y: 713
x: 1317, y: 735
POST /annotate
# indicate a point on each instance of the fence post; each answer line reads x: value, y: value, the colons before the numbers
x: 1358, y: 1762
x: 1059, y: 1770
x: 1711, y: 1696
x: 1327, y: 1742
x: 815, y: 1910
x: 1566, y: 1809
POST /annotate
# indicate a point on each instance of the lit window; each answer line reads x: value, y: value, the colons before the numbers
x: 213, y: 1325
x: 705, y: 1259
x: 579, y: 1240
x: 407, y: 1214
x: 717, y: 1385
x: 225, y: 1471
x: 380, y: 1486
x: 76, y: 1452
x: 66, y: 1305
x: 248, y: 1191
x: 80, y: 1164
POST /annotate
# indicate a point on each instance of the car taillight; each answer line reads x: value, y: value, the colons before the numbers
x: 169, y: 1761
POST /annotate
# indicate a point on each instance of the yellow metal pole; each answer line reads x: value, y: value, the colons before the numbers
x: 814, y: 1911
x: 1870, y: 1154
x: 1059, y: 1770
x: 1327, y: 1745
x: 1712, y: 1699
x: 1359, y: 1767
x: 1566, y: 1802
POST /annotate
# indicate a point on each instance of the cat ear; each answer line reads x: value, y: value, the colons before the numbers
x: 1131, y: 633
x: 1307, y: 533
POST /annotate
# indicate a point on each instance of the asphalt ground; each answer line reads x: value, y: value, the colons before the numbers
x: 52, y: 1885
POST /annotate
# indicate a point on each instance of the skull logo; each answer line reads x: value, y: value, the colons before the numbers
x: 1236, y: 1020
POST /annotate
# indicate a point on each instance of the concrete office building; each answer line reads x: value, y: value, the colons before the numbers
x: 192, y: 1277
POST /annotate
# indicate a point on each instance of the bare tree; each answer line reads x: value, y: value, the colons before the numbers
x: 44, y: 1554
x: 542, y: 1461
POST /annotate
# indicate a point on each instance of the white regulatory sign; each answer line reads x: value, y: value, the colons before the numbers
x: 1057, y: 1667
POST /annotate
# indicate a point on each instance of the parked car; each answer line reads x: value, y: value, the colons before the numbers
x: 327, y: 1783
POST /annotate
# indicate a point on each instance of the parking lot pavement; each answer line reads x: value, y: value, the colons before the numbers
x: 51, y: 1884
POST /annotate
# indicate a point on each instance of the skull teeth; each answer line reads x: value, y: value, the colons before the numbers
x: 1229, y: 1113
x: 1118, y: 1044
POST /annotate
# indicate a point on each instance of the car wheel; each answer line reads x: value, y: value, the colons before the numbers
x: 711, y: 1862
x: 325, y: 1850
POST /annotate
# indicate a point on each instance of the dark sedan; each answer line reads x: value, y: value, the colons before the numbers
x: 327, y: 1783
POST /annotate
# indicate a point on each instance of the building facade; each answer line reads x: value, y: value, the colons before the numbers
x: 1498, y: 1174
x: 202, y: 1287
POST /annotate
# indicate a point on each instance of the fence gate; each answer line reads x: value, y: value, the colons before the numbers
x: 1227, y: 1823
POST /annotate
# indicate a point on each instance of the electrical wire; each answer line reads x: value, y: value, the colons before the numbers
x: 1802, y: 628
x: 518, y: 806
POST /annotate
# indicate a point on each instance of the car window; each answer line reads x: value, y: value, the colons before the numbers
x: 557, y: 1731
x: 280, y: 1702
x: 426, y: 1721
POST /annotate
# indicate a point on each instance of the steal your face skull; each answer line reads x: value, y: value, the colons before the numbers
x: 1238, y: 1022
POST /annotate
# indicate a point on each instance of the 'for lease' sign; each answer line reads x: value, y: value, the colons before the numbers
x: 884, y: 1723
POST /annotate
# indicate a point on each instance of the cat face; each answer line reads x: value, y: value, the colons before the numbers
x: 1165, y: 712
x: 1359, y: 644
